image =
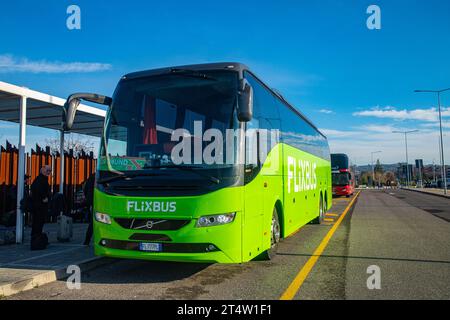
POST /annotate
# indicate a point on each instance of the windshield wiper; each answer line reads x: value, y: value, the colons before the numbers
x: 123, y: 175
x: 186, y: 168
x: 191, y: 73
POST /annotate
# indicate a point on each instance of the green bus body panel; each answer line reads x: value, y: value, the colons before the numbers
x: 244, y: 238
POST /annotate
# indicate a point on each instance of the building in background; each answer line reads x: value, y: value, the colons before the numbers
x: 419, y: 172
x: 402, y: 173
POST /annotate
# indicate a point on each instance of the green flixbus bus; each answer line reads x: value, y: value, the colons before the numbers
x: 257, y: 189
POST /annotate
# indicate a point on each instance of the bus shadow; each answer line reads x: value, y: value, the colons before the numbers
x: 142, y: 272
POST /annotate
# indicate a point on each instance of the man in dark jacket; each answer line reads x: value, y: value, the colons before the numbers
x: 39, y: 197
x: 88, y: 191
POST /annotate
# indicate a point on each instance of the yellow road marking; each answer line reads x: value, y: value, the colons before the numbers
x: 328, y: 220
x: 332, y: 214
x: 295, y: 285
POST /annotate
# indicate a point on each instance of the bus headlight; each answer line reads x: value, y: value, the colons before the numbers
x: 102, y: 218
x: 215, y: 220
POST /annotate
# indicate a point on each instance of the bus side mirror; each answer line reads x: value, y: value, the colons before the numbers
x: 245, y: 101
x: 72, y: 103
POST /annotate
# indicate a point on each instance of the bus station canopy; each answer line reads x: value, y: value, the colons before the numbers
x: 43, y: 110
x: 29, y: 107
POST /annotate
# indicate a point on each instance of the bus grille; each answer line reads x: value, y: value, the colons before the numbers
x: 151, y: 224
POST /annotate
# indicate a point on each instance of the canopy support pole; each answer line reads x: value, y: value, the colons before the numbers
x: 61, y: 162
x: 21, y: 168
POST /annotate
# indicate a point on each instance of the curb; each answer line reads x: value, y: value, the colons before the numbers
x: 46, y: 277
x: 430, y: 193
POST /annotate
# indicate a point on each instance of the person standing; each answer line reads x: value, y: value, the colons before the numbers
x: 88, y: 191
x: 39, y: 197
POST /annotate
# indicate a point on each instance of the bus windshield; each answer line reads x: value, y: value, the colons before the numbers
x: 146, y: 112
x: 341, y: 179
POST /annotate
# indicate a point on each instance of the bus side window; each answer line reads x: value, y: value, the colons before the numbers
x: 266, y: 117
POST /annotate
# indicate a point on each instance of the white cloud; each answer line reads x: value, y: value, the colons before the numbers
x: 333, y: 134
x: 430, y: 114
x: 9, y: 63
x: 326, y: 111
x: 362, y: 132
x: 445, y: 124
x: 379, y: 128
x: 359, y: 143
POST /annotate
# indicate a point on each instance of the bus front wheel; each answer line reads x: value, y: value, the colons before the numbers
x: 275, y: 235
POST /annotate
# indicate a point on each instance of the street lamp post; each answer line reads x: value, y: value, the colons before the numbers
x: 373, y: 170
x: 434, y: 172
x: 406, y: 146
x: 443, y: 171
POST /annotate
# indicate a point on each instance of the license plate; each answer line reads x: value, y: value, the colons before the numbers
x: 153, y: 247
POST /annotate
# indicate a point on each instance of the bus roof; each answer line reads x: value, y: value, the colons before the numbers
x: 232, y: 66
x: 194, y: 67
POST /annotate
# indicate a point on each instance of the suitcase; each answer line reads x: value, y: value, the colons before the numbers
x: 65, y: 228
x: 39, y: 242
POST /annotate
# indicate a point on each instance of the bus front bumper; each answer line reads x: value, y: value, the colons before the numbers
x: 206, y: 257
x: 218, y: 244
x: 342, y: 191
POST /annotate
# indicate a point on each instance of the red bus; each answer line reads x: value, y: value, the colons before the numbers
x: 342, y: 175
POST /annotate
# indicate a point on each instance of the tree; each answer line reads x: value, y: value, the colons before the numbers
x: 378, y: 167
x: 73, y: 142
x: 365, y: 178
x: 378, y: 172
x: 390, y: 179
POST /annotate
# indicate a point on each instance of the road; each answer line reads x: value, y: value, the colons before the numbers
x: 435, y: 205
x: 398, y: 231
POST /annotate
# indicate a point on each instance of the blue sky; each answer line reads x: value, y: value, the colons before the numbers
x: 356, y: 84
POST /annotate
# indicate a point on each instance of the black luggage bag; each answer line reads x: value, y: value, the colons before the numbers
x: 39, y: 242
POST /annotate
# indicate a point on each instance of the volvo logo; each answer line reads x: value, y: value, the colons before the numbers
x: 147, y: 225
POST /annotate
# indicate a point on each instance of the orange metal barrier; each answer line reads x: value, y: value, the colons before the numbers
x: 77, y: 169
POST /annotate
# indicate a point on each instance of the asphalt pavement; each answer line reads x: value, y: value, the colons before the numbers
x: 436, y: 205
x: 411, y: 246
x: 387, y: 229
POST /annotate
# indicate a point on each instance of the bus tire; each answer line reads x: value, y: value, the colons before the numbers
x: 319, y: 219
x: 275, y: 236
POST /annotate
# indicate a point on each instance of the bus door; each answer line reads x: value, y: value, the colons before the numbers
x: 253, y: 201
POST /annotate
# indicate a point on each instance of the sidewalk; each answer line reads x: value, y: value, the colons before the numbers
x: 22, y: 269
x: 433, y: 191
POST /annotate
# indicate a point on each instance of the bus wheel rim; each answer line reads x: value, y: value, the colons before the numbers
x: 275, y: 237
x: 321, y: 209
